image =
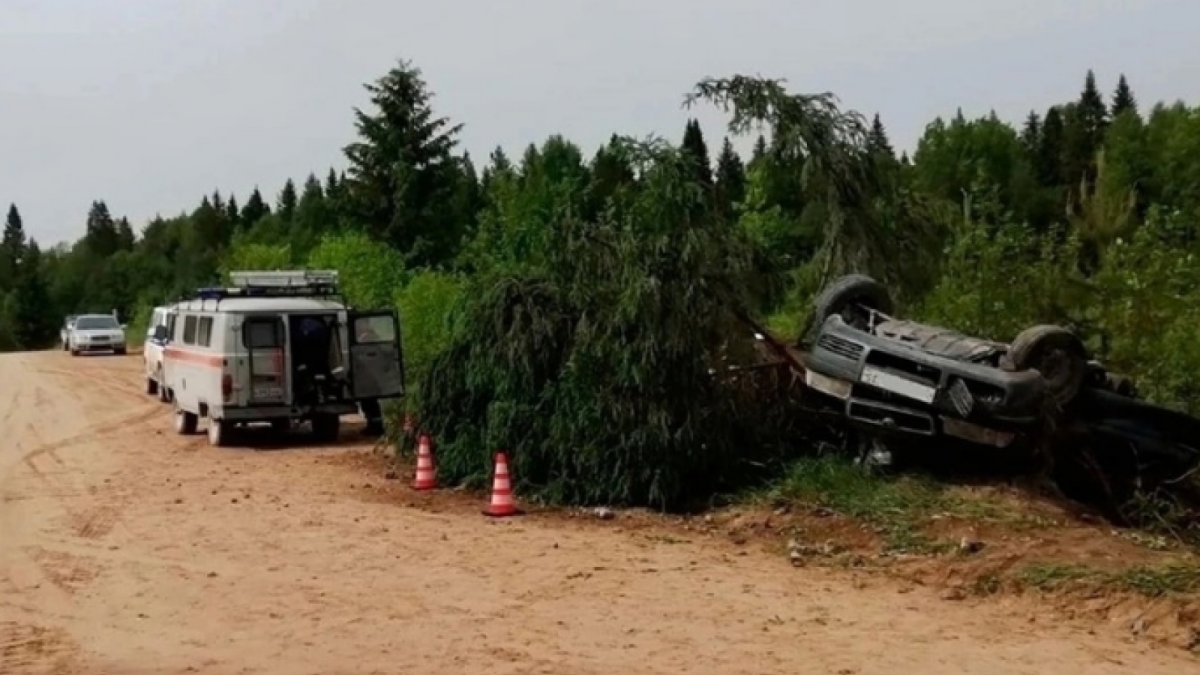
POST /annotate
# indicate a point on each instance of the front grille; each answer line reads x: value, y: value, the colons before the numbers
x: 899, y: 364
x: 890, y: 417
x: 840, y: 346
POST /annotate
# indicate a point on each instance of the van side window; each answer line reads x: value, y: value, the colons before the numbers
x: 262, y: 333
x: 205, y: 337
x: 189, y: 330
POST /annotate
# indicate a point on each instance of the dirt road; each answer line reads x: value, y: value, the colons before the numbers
x: 126, y: 549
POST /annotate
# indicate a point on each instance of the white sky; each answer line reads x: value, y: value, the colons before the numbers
x: 149, y: 104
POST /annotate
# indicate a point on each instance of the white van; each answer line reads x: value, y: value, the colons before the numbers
x: 278, y: 347
x: 162, y: 322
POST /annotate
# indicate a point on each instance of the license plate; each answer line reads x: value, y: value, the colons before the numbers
x: 898, y: 385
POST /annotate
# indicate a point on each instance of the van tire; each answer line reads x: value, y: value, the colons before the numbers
x: 185, y: 422
x: 326, y: 427
x: 151, y: 386
x: 217, y: 433
x: 164, y: 394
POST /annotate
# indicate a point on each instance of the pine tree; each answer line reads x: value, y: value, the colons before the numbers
x: 730, y: 179
x: 1123, y: 99
x: 877, y: 138
x: 287, y: 201
x: 255, y: 209
x: 402, y: 168
x: 693, y: 144
x: 12, y: 247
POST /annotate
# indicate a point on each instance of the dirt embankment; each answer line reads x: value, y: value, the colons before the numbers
x: 127, y: 549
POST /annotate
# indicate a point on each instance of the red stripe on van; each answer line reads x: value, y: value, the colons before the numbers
x: 195, y: 358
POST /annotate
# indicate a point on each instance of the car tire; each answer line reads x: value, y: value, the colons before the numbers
x: 218, y: 433
x: 120, y: 352
x: 844, y: 294
x: 185, y: 422
x: 1058, y: 354
x: 326, y: 427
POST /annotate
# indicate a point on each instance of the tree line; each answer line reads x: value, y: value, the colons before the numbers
x: 1084, y: 213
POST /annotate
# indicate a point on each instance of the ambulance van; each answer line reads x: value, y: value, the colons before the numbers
x: 278, y: 347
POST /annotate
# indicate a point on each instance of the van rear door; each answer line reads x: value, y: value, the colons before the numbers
x: 376, y: 363
x: 265, y: 341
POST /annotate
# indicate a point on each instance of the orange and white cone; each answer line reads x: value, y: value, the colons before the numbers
x: 502, y: 503
x: 426, y: 478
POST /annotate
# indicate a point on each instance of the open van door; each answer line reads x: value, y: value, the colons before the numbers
x: 376, y: 363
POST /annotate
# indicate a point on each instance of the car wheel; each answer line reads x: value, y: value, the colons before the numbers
x: 120, y: 352
x: 217, y: 433
x: 1056, y: 353
x: 185, y: 422
x: 853, y: 297
x: 151, y: 386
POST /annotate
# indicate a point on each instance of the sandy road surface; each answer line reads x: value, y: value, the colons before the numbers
x: 125, y: 549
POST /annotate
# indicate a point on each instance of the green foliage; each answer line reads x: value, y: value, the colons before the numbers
x: 593, y: 369
x: 424, y: 304
x: 370, y: 272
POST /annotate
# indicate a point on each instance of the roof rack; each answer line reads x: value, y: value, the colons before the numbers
x: 275, y: 284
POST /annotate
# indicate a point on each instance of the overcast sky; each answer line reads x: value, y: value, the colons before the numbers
x: 149, y: 104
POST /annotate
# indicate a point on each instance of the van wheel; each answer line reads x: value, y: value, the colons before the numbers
x: 151, y: 386
x: 325, y: 427
x: 281, y: 425
x: 165, y: 394
x: 217, y: 433
x: 185, y: 422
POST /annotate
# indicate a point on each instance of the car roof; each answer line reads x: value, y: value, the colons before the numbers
x: 262, y: 305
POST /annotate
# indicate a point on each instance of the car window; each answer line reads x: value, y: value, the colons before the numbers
x: 373, y: 329
x: 97, y: 323
x: 204, y: 339
x: 262, y: 334
x: 189, y: 330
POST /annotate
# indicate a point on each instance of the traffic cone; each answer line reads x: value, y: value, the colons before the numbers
x: 426, y: 478
x: 502, y: 503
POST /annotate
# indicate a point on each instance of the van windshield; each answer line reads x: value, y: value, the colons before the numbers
x: 96, y: 323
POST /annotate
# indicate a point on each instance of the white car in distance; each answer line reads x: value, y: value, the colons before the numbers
x: 96, y: 333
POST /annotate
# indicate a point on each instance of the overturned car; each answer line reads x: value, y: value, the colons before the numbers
x: 892, y: 378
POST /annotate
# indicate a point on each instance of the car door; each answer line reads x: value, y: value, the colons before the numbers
x: 376, y: 359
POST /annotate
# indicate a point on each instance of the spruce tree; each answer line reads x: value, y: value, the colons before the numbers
x: 287, y: 201
x: 1048, y: 163
x: 877, y: 138
x: 730, y: 180
x: 101, y: 239
x: 31, y: 298
x: 233, y: 214
x: 693, y: 144
x: 125, y: 236
x: 402, y: 168
x: 1123, y: 99
x: 255, y: 209
x: 12, y: 246
x: 1031, y: 133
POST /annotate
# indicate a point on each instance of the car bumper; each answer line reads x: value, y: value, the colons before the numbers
x: 885, y: 383
x: 99, y: 347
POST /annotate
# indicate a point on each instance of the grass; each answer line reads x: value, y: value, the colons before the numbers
x: 1144, y: 580
x: 898, y: 508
